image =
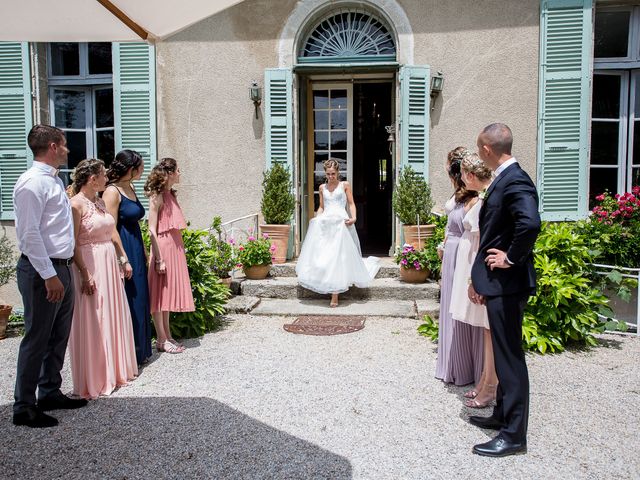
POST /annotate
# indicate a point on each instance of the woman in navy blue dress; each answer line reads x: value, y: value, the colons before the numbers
x: 123, y: 204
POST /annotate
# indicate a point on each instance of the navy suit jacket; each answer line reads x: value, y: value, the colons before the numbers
x: 509, y: 221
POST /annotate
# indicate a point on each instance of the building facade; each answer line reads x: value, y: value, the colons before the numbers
x: 350, y: 80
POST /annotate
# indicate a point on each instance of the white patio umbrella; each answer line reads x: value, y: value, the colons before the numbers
x: 101, y: 20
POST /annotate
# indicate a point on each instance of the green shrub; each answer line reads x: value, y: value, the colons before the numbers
x: 209, y: 294
x: 412, y: 198
x: 256, y: 251
x: 410, y: 258
x: 565, y: 308
x: 224, y: 257
x: 278, y: 201
x: 8, y: 260
x: 429, y: 328
x: 434, y: 264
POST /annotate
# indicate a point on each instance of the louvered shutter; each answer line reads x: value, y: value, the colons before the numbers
x: 563, y: 143
x: 15, y: 120
x: 278, y: 116
x: 134, y: 94
x: 415, y: 84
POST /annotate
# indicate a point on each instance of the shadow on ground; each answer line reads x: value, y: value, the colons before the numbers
x: 160, y: 437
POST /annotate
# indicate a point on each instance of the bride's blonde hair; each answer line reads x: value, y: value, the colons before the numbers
x: 472, y: 163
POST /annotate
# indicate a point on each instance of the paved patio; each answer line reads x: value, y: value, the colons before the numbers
x: 252, y: 401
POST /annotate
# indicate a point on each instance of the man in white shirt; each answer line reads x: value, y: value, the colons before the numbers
x: 44, y: 227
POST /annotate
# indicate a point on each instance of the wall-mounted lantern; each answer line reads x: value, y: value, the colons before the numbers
x: 437, y: 83
x: 255, y: 93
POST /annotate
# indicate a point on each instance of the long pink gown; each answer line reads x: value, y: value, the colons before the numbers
x: 170, y: 292
x: 101, y: 345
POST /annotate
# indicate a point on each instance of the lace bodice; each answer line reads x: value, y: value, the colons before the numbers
x: 335, y: 201
x: 96, y: 224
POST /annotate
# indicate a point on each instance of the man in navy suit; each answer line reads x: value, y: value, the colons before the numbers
x: 503, y: 278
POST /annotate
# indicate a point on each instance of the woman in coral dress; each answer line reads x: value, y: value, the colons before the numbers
x: 169, y: 284
x: 101, y: 344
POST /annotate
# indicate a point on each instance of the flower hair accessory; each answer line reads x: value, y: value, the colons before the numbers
x: 482, y: 194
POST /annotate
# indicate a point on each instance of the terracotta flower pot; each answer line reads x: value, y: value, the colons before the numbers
x: 5, y: 311
x: 417, y: 235
x: 279, y: 236
x: 411, y: 275
x: 256, y: 272
x: 226, y: 281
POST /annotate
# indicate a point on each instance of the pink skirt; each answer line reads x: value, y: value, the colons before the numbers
x: 101, y: 345
x: 170, y: 292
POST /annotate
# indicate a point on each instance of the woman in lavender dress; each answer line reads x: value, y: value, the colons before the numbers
x: 460, y: 345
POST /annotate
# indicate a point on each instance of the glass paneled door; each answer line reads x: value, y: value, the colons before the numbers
x: 330, y: 135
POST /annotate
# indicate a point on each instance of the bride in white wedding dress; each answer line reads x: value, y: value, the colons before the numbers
x: 331, y: 259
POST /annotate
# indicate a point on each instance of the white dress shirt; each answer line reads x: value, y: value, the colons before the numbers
x: 44, y: 223
x: 504, y: 166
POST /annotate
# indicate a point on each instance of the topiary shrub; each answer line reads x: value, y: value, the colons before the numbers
x: 412, y: 200
x: 278, y: 201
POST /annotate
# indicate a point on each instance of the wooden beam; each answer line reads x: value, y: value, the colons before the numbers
x: 120, y: 15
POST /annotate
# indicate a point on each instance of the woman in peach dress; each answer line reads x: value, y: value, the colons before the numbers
x: 169, y: 284
x: 101, y: 344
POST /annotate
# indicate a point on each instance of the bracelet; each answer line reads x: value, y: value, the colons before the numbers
x: 159, y: 261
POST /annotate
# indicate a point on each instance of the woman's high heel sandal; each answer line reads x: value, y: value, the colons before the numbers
x: 475, y: 403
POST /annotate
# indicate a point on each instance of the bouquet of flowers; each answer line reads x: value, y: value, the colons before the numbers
x: 409, y: 257
x: 255, y: 251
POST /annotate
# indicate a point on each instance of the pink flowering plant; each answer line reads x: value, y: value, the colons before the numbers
x: 614, y: 228
x: 409, y: 257
x: 255, y: 251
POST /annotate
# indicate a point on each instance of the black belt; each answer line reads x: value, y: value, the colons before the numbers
x: 56, y: 261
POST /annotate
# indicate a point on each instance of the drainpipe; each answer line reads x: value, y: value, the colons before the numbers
x: 35, y: 81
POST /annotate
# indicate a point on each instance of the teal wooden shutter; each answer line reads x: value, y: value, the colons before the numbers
x: 563, y: 113
x: 15, y: 120
x: 278, y: 115
x: 134, y: 98
x: 415, y: 84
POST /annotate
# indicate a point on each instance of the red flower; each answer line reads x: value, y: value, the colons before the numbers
x: 600, y: 197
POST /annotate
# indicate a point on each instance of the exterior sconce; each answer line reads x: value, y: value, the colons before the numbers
x: 255, y: 93
x: 437, y: 83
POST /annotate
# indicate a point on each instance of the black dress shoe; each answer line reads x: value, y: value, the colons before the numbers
x: 499, y: 447
x: 34, y: 418
x: 485, y: 422
x: 59, y: 401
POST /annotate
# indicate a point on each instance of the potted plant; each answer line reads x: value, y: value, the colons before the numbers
x: 412, y: 203
x: 224, y: 257
x: 255, y: 257
x: 7, y: 272
x: 277, y: 206
x: 413, y: 264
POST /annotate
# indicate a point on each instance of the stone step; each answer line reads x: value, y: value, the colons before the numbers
x: 367, y: 308
x: 388, y: 269
x: 380, y: 289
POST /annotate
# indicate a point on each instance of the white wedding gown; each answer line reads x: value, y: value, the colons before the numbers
x: 331, y: 259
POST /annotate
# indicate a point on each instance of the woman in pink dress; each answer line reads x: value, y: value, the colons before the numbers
x: 101, y: 344
x: 169, y: 284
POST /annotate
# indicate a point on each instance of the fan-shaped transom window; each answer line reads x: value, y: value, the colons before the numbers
x: 349, y: 35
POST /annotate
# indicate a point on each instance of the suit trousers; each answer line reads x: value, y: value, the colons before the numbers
x: 47, y: 327
x: 512, y: 398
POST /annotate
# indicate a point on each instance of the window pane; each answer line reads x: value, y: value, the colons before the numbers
x: 606, y: 96
x: 77, y: 145
x: 65, y: 59
x: 104, y: 108
x: 318, y: 170
x: 339, y: 119
x: 604, y: 143
x: 106, y: 146
x: 320, y: 99
x: 636, y: 142
x: 635, y: 176
x: 69, y: 109
x: 611, y: 34
x: 321, y: 141
x: 601, y: 179
x: 100, y: 58
x: 321, y: 120
x: 338, y: 140
x: 338, y: 99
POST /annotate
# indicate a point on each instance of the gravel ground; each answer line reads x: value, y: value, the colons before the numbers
x: 252, y: 401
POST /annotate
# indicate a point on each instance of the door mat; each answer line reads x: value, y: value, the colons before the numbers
x: 326, y: 324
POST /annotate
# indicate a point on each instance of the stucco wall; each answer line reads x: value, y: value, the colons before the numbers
x: 487, y: 50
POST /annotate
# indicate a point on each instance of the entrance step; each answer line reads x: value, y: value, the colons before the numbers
x: 367, y: 308
x: 380, y: 289
x: 388, y: 269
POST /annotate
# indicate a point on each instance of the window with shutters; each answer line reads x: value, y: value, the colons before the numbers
x: 615, y: 117
x: 81, y: 99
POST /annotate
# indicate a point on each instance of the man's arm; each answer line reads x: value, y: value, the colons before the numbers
x: 520, y: 198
